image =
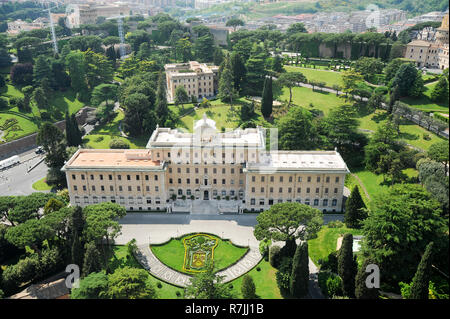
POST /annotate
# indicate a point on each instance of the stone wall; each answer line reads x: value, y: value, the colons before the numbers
x: 29, y: 142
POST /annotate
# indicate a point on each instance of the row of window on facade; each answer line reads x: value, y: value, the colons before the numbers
x: 205, y: 182
x: 299, y: 179
x: 111, y: 188
x: 215, y: 192
x: 205, y: 155
x: 189, y: 80
x: 299, y: 190
x: 205, y: 170
x: 316, y: 202
x: 110, y: 177
x: 131, y: 200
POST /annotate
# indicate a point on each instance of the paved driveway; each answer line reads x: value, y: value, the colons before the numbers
x: 161, y: 227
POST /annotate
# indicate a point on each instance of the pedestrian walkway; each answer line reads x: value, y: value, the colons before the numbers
x: 149, y: 261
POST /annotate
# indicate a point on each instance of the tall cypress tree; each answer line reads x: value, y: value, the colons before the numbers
x: 92, y: 259
x: 361, y: 290
x: 347, y: 266
x: 267, y: 98
x: 78, y: 136
x: 299, y: 280
x: 161, y: 108
x: 354, y: 209
x: 69, y: 130
x: 421, y: 280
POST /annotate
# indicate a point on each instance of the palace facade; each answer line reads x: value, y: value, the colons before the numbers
x: 232, y: 169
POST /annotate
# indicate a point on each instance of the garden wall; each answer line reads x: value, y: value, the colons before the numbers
x: 29, y: 142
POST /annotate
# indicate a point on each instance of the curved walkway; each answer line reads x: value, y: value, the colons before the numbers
x: 150, y: 262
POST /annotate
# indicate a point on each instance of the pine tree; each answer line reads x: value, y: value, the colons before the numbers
x: 238, y: 71
x: 267, y: 98
x: 354, y: 209
x: 393, y: 97
x: 69, y: 130
x: 347, y: 266
x: 41, y: 70
x: 248, y: 288
x: 226, y: 89
x: 421, y: 280
x: 161, y: 108
x: 440, y: 91
x: 92, y: 259
x: 361, y: 290
x: 300, y: 272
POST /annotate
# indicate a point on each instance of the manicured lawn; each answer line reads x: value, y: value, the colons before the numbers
x: 325, y: 243
x: 302, y: 96
x: 41, y: 185
x: 265, y: 282
x: 26, y: 127
x: 425, y: 104
x: 104, y: 134
x: 328, y: 77
x: 172, y: 254
x: 120, y: 260
x: 220, y: 112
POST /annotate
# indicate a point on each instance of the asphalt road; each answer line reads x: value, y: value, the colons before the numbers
x: 17, y: 181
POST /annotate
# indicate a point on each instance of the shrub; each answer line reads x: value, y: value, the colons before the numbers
x: 99, y: 139
x: 426, y: 137
x: 274, y: 256
x: 258, y: 268
x: 335, y: 224
x: 330, y: 263
x: 248, y: 288
x: 192, y: 197
x: 264, y: 248
x: 119, y: 144
x: 159, y: 285
x: 283, y: 274
x: 382, y: 90
x: 45, y: 116
x: 4, y: 104
x: 178, y: 294
x: 330, y: 284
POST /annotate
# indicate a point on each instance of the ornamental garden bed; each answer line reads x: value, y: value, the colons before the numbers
x: 192, y: 253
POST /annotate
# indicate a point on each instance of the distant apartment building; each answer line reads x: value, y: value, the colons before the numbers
x: 198, y: 79
x: 232, y: 170
x: 78, y: 14
x: 430, y: 48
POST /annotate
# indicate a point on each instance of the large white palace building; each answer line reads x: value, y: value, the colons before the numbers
x: 233, y: 170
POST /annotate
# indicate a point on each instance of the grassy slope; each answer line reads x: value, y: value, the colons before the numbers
x: 172, y: 254
x: 329, y: 77
x: 325, y: 243
x: 410, y: 132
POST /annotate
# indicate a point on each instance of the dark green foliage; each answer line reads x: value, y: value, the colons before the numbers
x: 283, y: 275
x: 93, y: 286
x: 207, y: 285
x: 403, y: 220
x: 408, y: 80
x: 119, y: 144
x: 248, y: 288
x: 267, y: 98
x: 296, y: 130
x: 52, y: 141
x: 92, y: 259
x: 247, y: 111
x: 330, y: 263
x: 361, y: 290
x: 22, y: 74
x: 300, y: 272
x: 347, y: 266
x: 41, y: 70
x: 130, y: 283
x: 330, y: 284
x: 354, y: 209
x: 238, y: 70
x: 420, y: 282
x: 274, y: 256
x: 162, y: 111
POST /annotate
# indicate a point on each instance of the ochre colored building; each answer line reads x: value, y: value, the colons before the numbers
x: 230, y: 171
